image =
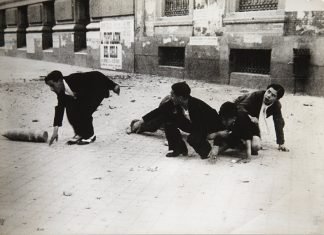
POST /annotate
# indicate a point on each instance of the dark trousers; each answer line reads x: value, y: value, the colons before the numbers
x: 197, y: 139
x: 79, y: 114
x: 172, y: 133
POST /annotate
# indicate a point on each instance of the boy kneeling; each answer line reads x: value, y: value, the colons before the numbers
x: 238, y: 133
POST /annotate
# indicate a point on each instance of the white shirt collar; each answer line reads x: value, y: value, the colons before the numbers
x: 68, y: 90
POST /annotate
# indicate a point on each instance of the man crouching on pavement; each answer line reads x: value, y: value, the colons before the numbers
x: 80, y: 94
x: 188, y: 114
x: 259, y: 105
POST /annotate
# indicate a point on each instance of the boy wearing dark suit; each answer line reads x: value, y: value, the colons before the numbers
x: 79, y: 94
x: 239, y: 130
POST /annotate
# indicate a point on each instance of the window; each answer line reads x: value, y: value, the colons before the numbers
x: 48, y: 20
x: 250, y: 61
x: 2, y: 26
x: 176, y: 7
x: 301, y: 62
x: 258, y: 5
x: 80, y: 37
x: 172, y: 56
x: 1, y: 38
x: 22, y: 24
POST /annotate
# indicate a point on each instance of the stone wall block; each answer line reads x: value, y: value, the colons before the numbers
x: 104, y: 8
x: 64, y: 10
x: 35, y: 14
x: 11, y: 16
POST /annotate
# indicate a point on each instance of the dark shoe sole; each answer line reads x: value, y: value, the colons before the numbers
x: 72, y: 142
x: 175, y: 154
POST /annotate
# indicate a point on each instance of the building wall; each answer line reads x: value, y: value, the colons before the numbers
x: 198, y: 33
x: 202, y: 39
x: 65, y: 31
x: 294, y: 25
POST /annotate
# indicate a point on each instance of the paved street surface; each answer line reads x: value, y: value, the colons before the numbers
x: 124, y: 184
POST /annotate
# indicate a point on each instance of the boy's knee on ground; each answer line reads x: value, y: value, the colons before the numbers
x: 256, y: 143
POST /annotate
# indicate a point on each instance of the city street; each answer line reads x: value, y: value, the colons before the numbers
x: 124, y: 184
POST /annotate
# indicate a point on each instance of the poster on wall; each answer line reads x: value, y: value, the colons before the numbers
x: 114, y: 34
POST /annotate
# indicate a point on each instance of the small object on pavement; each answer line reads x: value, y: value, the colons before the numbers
x: 2, y: 221
x: 26, y: 135
x: 67, y: 194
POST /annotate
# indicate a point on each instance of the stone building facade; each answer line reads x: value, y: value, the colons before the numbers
x: 247, y: 43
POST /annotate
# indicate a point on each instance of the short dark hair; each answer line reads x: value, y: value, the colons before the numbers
x: 228, y: 110
x: 181, y: 89
x: 54, y: 76
x: 280, y: 90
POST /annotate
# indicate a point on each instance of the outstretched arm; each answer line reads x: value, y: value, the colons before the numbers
x: 116, y: 89
x: 54, y: 135
x: 248, y: 148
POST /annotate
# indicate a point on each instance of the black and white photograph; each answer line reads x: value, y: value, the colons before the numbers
x: 161, y: 117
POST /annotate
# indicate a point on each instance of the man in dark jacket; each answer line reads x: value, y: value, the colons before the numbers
x: 189, y: 114
x: 260, y: 105
x: 80, y: 94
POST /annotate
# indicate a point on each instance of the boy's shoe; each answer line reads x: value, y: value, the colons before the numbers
x: 176, y: 153
x: 87, y: 141
x: 74, y: 140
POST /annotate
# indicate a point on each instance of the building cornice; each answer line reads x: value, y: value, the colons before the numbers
x: 17, y: 3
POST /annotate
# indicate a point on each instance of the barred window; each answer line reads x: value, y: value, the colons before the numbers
x: 2, y: 26
x: 172, y: 56
x: 176, y: 7
x: 250, y: 61
x: 258, y: 5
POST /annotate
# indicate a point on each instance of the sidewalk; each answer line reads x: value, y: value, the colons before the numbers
x: 123, y: 184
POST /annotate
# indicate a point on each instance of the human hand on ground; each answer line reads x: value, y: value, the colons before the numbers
x: 54, y: 136
x: 137, y: 125
x: 283, y: 148
x: 116, y: 89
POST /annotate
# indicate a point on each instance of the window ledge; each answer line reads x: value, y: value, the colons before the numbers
x: 171, y: 67
x: 252, y: 17
x: 82, y: 52
x: 93, y: 26
x: 48, y: 50
x: 252, y: 75
x: 38, y: 29
x: 173, y: 21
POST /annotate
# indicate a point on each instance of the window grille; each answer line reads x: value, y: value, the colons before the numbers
x: 1, y: 39
x: 301, y: 62
x: 2, y: 26
x: 176, y: 7
x: 250, y: 61
x: 172, y: 56
x: 258, y: 5
x: 22, y: 24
